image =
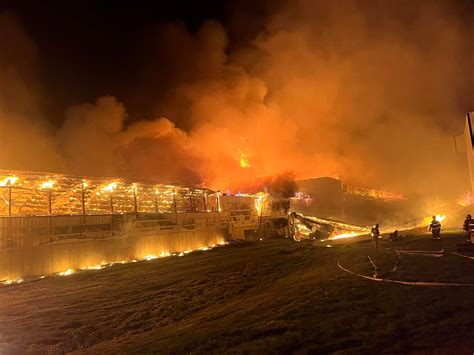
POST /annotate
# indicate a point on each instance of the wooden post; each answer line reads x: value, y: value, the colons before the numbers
x: 83, y: 199
x: 135, y: 199
x: 111, y: 203
x: 156, y: 201
x: 9, y: 198
x: 175, y: 206
x: 191, y: 207
x: 50, y: 201
x: 260, y: 222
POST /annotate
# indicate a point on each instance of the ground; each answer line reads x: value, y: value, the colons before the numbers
x: 267, y: 296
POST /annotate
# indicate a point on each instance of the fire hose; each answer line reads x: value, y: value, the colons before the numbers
x: 408, y: 283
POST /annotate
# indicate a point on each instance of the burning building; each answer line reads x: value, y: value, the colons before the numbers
x: 328, y: 197
x: 52, y: 223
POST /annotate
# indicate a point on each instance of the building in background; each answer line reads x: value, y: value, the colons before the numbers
x: 328, y: 197
x: 469, y: 141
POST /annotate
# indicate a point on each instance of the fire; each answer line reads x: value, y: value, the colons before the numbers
x: 9, y: 181
x: 345, y: 235
x: 465, y: 199
x: 259, y: 201
x: 10, y: 282
x: 439, y: 218
x: 110, y: 187
x: 47, y: 184
x: 104, y: 264
x: 163, y: 254
x: 375, y: 194
x: 68, y: 272
x: 244, y: 161
x: 94, y: 267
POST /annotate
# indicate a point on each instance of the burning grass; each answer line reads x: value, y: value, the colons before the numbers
x: 276, y: 296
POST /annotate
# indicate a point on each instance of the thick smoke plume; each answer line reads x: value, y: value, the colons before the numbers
x: 371, y: 92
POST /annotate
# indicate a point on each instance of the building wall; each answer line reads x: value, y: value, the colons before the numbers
x: 469, y: 139
x: 326, y: 198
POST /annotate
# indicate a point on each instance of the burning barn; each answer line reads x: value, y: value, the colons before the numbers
x: 328, y: 197
x: 52, y: 223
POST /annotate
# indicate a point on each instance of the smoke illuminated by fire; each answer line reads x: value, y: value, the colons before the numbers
x: 321, y: 89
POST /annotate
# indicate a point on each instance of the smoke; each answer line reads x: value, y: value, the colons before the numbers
x: 282, y: 185
x: 25, y: 140
x: 371, y: 92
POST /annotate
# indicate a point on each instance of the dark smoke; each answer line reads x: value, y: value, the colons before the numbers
x: 369, y: 91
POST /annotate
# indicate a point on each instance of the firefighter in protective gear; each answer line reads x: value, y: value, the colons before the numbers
x: 435, y: 228
x: 394, y: 236
x: 375, y: 233
x: 469, y: 227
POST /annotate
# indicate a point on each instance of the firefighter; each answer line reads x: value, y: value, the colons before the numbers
x: 435, y: 228
x: 375, y: 233
x: 394, y: 236
x: 469, y: 227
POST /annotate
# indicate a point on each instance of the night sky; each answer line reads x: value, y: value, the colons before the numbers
x: 225, y: 93
x: 91, y: 48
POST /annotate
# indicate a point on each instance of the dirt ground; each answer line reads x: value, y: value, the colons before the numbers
x: 272, y: 296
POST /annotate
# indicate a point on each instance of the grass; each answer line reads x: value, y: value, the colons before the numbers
x: 273, y: 296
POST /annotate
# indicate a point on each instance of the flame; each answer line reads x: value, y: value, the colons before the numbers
x: 110, y: 187
x: 47, y: 184
x: 104, y: 264
x: 345, y: 235
x: 94, y: 267
x: 439, y: 218
x: 376, y: 194
x: 9, y: 181
x: 465, y: 199
x: 67, y: 272
x: 259, y: 200
x: 163, y: 254
x: 10, y: 281
x: 244, y: 161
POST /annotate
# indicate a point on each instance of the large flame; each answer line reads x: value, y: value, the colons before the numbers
x: 345, y: 235
x: 439, y: 218
x: 244, y: 161
x: 47, y: 184
x: 10, y: 180
x: 259, y: 202
x: 110, y: 187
